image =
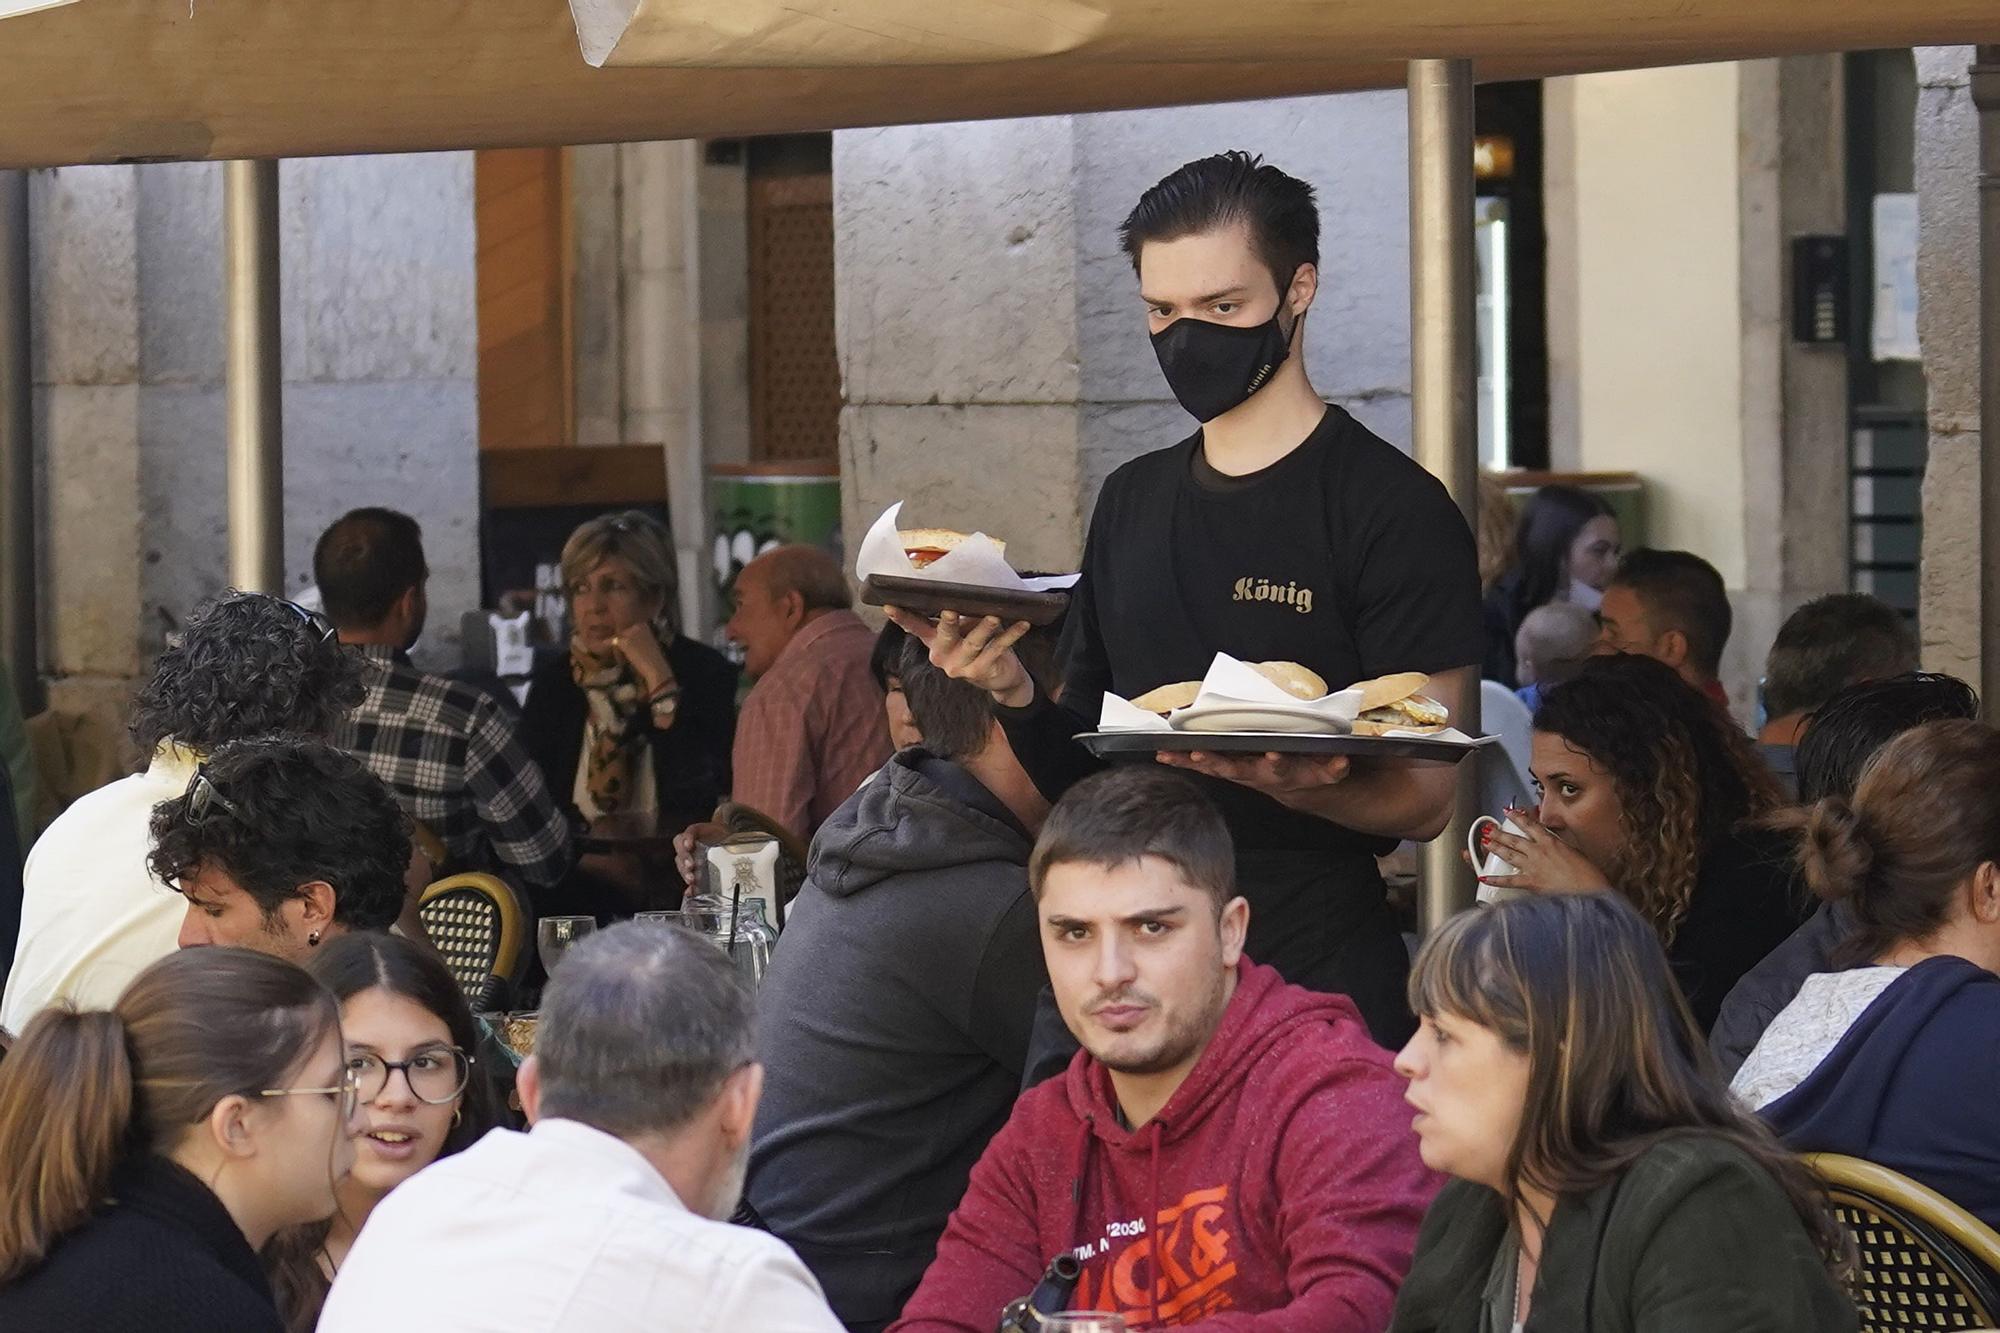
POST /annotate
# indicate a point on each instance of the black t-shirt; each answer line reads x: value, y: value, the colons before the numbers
x: 1344, y: 556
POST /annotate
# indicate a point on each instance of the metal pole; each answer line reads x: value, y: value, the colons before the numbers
x: 1443, y: 379
x: 1986, y: 97
x: 256, y: 420
x: 18, y: 638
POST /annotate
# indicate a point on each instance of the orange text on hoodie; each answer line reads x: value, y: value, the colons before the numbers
x: 1279, y: 1189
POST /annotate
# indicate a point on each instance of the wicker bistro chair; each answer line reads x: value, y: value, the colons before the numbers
x: 1923, y: 1262
x: 480, y: 930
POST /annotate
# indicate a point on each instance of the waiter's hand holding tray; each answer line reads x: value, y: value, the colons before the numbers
x: 1282, y: 708
x: 934, y: 570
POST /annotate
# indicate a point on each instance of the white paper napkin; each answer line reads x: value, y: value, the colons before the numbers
x: 976, y: 561
x: 1231, y: 683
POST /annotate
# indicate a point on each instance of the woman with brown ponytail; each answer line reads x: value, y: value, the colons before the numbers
x: 1897, y: 1057
x: 150, y: 1149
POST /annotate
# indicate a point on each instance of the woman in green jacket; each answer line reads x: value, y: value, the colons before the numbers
x: 1604, y: 1180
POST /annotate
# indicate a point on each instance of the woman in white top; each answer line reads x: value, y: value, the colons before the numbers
x: 1897, y: 1058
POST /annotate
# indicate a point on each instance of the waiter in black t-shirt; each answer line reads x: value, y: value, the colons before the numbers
x: 1282, y: 530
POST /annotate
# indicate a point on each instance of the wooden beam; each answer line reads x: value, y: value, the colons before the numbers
x: 573, y: 474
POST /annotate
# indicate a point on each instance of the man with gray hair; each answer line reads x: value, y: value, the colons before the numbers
x: 608, y: 1214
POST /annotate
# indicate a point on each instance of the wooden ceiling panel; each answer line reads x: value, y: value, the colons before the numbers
x: 124, y: 80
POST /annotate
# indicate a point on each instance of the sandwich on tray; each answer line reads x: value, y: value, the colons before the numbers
x: 1396, y: 703
x: 927, y: 546
x: 1295, y: 680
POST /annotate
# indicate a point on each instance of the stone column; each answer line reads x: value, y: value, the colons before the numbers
x: 1948, y: 331
x: 86, y: 332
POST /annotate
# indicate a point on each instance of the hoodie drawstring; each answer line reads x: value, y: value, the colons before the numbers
x: 1153, y: 1227
x: 1083, y: 1155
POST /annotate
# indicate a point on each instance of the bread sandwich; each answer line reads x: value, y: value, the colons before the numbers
x: 1300, y: 682
x: 1397, y: 703
x: 927, y: 546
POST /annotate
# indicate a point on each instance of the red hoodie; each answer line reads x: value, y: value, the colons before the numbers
x: 1282, y: 1180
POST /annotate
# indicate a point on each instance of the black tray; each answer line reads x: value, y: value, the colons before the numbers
x: 1105, y: 743
x: 931, y: 596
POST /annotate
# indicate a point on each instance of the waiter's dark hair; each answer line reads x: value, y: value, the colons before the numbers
x: 1119, y: 816
x: 1211, y: 193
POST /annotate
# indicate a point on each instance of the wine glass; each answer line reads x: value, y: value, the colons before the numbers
x: 556, y: 935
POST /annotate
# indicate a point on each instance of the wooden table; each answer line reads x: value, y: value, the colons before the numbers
x: 645, y: 834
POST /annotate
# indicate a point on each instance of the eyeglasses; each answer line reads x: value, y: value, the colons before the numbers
x: 606, y: 587
x: 436, y: 1075
x: 347, y: 1096
x: 203, y: 800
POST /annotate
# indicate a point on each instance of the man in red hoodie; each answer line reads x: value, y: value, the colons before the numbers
x: 1228, y: 1152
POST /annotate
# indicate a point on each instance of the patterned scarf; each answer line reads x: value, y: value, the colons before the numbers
x: 618, y: 724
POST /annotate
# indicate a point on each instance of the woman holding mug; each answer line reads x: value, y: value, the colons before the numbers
x: 411, y: 1045
x: 1648, y: 789
x: 636, y: 718
x: 152, y: 1148
x: 1604, y: 1178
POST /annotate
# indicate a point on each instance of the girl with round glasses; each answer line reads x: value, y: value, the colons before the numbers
x: 151, y: 1148
x: 410, y: 1048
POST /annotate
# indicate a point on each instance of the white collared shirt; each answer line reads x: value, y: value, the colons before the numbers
x: 564, y: 1229
x: 92, y: 916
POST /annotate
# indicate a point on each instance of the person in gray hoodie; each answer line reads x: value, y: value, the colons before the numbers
x: 894, y: 1021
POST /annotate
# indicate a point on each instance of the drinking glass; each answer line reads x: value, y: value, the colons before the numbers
x: 1083, y: 1321
x: 661, y: 918
x: 555, y: 935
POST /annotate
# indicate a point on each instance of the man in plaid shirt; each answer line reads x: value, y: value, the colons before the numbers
x: 447, y: 749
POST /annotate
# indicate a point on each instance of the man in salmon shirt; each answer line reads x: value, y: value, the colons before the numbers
x: 1227, y: 1152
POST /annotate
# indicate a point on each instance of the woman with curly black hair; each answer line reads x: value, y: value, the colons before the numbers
x: 92, y: 916
x: 1649, y: 789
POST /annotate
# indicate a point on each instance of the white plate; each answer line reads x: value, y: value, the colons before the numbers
x: 1301, y: 719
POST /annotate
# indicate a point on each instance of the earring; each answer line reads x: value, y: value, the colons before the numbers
x: 312, y: 940
x: 457, y: 1117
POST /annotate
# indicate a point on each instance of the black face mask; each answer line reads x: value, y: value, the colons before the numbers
x: 1215, y: 367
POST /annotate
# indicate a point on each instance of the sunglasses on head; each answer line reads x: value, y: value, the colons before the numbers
x: 319, y: 623
x: 203, y: 800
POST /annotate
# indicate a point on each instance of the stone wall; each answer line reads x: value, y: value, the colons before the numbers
x: 380, y: 358
x: 1948, y: 329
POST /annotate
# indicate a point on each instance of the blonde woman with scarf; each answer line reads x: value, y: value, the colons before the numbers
x: 637, y: 720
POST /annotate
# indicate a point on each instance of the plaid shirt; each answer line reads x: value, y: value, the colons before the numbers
x: 450, y: 754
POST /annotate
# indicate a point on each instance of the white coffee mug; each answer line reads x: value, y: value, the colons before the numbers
x: 1494, y: 866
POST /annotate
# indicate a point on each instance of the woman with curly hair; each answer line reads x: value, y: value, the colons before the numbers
x: 1649, y: 789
